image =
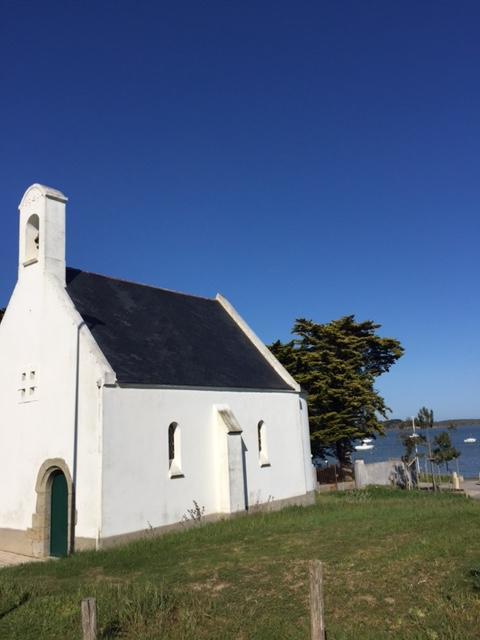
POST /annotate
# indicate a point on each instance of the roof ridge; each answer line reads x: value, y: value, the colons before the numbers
x: 141, y: 284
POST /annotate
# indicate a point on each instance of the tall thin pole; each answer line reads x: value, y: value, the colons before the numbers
x: 434, y: 484
x: 73, y: 508
x: 417, y: 464
x: 317, y: 623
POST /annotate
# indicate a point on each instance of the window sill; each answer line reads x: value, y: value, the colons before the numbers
x: 27, y: 399
x: 264, y: 462
x: 29, y: 262
x: 175, y: 471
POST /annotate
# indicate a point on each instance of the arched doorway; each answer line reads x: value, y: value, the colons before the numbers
x: 58, y: 514
x: 51, y: 531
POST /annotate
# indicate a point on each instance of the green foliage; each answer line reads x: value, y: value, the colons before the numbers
x: 337, y: 364
x: 409, y: 446
x: 443, y: 450
x: 425, y: 418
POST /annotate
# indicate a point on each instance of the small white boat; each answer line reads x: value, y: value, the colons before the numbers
x: 470, y: 440
x: 363, y: 447
x: 367, y: 440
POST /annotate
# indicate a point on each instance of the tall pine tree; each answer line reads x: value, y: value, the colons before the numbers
x: 337, y: 364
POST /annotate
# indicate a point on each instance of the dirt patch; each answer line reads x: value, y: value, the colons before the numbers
x: 212, y: 586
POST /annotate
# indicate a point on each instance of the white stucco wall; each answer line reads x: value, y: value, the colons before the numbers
x: 39, y: 333
x: 137, y: 490
x: 385, y: 473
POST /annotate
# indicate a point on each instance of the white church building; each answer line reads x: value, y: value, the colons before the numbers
x: 122, y: 405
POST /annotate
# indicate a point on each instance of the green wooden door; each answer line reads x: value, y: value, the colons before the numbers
x: 59, y: 516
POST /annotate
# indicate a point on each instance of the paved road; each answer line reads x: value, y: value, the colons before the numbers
x: 471, y: 488
x: 8, y: 559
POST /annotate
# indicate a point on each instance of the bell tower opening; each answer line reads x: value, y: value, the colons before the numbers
x: 32, y: 239
x: 42, y: 233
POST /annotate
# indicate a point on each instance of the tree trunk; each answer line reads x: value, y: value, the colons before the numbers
x: 342, y: 454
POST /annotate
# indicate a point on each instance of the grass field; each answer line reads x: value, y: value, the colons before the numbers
x: 397, y: 565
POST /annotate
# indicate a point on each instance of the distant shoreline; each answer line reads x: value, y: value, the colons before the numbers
x: 461, y: 422
x: 438, y: 424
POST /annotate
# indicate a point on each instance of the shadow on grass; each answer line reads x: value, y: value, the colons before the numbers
x: 22, y: 599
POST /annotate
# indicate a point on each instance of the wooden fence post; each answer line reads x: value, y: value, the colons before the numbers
x: 316, y: 601
x: 89, y: 619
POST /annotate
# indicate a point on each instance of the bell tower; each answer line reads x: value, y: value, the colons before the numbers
x: 42, y: 232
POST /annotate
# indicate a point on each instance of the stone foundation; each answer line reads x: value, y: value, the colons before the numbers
x: 16, y: 541
x: 25, y: 544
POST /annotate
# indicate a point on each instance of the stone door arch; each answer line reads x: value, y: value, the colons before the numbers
x: 40, y: 532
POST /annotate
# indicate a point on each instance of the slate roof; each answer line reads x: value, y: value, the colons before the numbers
x: 153, y: 336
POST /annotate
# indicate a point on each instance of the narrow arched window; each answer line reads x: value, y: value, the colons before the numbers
x: 32, y: 238
x: 262, y: 444
x: 171, y: 442
x: 174, y: 458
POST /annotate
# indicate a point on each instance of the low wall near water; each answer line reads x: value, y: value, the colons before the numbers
x: 389, y: 473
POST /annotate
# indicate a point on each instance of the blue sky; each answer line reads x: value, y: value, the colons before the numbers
x: 307, y: 159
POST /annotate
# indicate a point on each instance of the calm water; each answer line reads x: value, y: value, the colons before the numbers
x: 390, y: 446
